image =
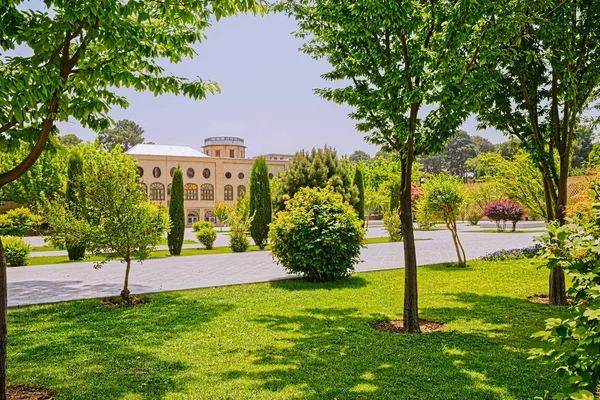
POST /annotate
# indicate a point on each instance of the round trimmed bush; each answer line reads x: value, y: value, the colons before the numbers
x: 239, y: 243
x: 318, y: 235
x: 16, y: 251
x: 207, y: 237
x: 198, y: 226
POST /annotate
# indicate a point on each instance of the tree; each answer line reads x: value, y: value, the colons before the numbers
x: 69, y: 140
x: 508, y: 149
x: 392, y: 62
x: 584, y: 138
x: 483, y: 145
x: 319, y: 168
x: 125, y: 133
x: 128, y: 226
x: 459, y: 150
x: 594, y: 157
x: 359, y: 156
x: 76, y: 251
x: 360, y: 204
x: 540, y: 90
x: 260, y: 202
x: 443, y: 197
x: 176, y: 214
x: 239, y: 224
x: 222, y: 212
x: 74, y: 72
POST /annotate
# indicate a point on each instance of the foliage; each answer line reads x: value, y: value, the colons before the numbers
x: 207, y: 236
x: 374, y: 200
x: 318, y: 235
x: 594, y: 156
x: 16, y: 251
x: 69, y: 140
x: 200, y: 225
x: 424, y: 217
x: 176, y: 214
x: 503, y: 210
x: 442, y: 198
x: 514, y: 254
x: 239, y: 225
x: 222, y: 211
x: 260, y: 202
x: 580, y: 205
x: 482, y: 144
x: 125, y: 133
x: 116, y: 220
x: 18, y: 221
x: 584, y: 137
x: 508, y: 149
x: 359, y: 206
x: 393, y: 225
x: 458, y: 151
x: 477, y: 195
x: 359, y: 156
x: 76, y: 251
x: 319, y: 168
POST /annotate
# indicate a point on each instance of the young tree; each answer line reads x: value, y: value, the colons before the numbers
x: 443, y: 197
x: 358, y: 156
x: 222, y: 212
x: 540, y: 90
x: 116, y: 218
x: 75, y: 250
x: 69, y: 140
x: 260, y: 202
x: 360, y: 204
x: 72, y: 73
x: 176, y: 214
x: 125, y: 133
x: 397, y: 57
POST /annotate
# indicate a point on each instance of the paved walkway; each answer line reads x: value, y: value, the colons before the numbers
x: 61, y: 282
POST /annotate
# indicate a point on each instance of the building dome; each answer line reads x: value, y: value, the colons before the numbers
x: 224, y: 146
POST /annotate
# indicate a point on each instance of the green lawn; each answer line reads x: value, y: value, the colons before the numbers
x: 294, y: 339
x: 163, y: 242
x: 508, y: 231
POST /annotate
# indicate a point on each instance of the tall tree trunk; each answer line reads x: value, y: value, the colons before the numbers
x: 557, y: 294
x: 125, y: 292
x: 3, y: 322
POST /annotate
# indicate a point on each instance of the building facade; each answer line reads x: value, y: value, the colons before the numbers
x: 207, y: 179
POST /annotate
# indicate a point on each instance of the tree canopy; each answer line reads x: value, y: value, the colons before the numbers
x: 125, y: 133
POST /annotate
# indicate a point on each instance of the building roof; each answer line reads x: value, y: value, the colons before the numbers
x: 164, y: 150
x: 223, y: 139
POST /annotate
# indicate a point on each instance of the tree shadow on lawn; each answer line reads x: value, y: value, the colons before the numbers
x: 352, y: 282
x: 335, y: 353
x: 81, y: 350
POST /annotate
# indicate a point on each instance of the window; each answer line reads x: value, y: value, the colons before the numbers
x: 217, y: 153
x: 192, y: 217
x: 169, y: 191
x: 190, y: 173
x: 210, y: 216
x: 206, y: 173
x: 157, y: 191
x: 171, y: 172
x: 207, y: 192
x: 140, y: 171
x: 241, y: 190
x: 228, y: 192
x: 144, y: 189
x: 270, y: 176
x: 156, y: 172
x: 231, y: 153
x: 241, y: 175
x: 228, y: 175
x: 190, y: 191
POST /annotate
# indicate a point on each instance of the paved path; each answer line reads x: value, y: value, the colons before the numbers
x: 61, y: 282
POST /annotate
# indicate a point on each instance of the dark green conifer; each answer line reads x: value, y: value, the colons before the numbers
x: 260, y: 202
x: 176, y: 214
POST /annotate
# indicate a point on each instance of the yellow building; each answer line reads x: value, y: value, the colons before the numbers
x: 208, y: 178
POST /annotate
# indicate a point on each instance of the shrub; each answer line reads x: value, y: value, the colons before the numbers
x: 514, y: 254
x: 207, y: 236
x: 16, y: 251
x: 318, y: 235
x: 260, y: 202
x: 222, y: 211
x: 200, y: 225
x: 239, y: 224
x: 501, y: 211
x: 424, y: 218
x: 18, y: 221
x: 393, y: 225
x: 239, y: 243
x: 176, y: 214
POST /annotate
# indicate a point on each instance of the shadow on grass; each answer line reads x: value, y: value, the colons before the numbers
x: 95, y: 352
x: 334, y: 353
x: 352, y: 282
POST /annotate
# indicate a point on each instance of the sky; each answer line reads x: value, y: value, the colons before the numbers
x: 267, y: 96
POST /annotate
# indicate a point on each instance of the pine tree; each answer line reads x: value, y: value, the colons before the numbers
x: 360, y: 204
x: 76, y: 251
x: 176, y: 214
x: 260, y: 202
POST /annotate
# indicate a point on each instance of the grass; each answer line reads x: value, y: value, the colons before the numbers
x: 295, y: 339
x: 508, y: 231
x: 163, y: 242
x: 45, y: 260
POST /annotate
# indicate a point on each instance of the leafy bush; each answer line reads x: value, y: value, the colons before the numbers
x: 424, y: 218
x: 239, y: 243
x: 18, y: 221
x: 393, y: 225
x: 503, y: 210
x: 207, y: 236
x: 318, y: 235
x: 200, y: 225
x: 239, y: 224
x: 16, y: 251
x: 514, y: 254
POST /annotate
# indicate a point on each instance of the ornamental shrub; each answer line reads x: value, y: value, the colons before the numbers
x: 514, y: 254
x: 239, y: 224
x: 318, y: 235
x: 18, y: 221
x: 260, y: 202
x: 393, y: 225
x: 207, y: 236
x: 16, y: 251
x: 176, y: 214
x: 200, y: 225
x: 502, y: 211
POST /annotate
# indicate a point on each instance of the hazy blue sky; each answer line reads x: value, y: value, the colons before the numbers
x: 266, y: 95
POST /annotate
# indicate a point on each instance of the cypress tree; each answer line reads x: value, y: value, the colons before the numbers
x: 359, y: 206
x: 76, y: 251
x: 260, y: 202
x: 176, y: 214
x: 395, y: 196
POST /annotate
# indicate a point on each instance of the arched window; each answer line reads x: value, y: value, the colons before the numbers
x: 169, y: 191
x: 206, y: 173
x: 190, y: 191
x: 156, y: 172
x: 144, y: 189
x: 190, y: 173
x: 241, y: 190
x: 140, y: 171
x: 228, y: 192
x: 172, y: 171
x: 207, y: 192
x: 157, y: 191
x: 210, y: 216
